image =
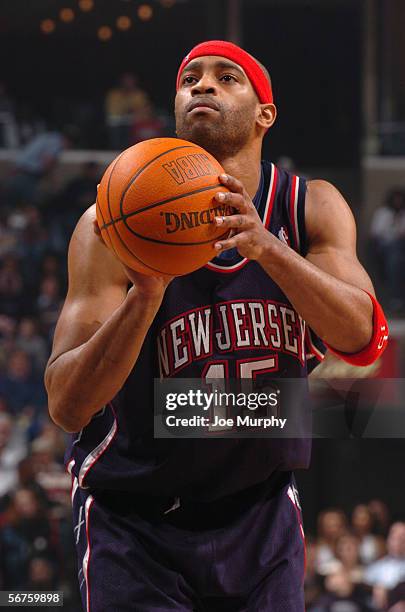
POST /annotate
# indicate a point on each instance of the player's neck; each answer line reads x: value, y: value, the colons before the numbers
x: 245, y: 166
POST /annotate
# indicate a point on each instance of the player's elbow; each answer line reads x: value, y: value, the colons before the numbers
x: 63, y: 415
x: 61, y: 409
x: 64, y: 421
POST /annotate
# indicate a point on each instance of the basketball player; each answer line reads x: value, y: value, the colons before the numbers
x: 204, y: 524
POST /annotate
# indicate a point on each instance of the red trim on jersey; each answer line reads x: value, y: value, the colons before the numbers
x: 267, y: 219
x: 293, y: 210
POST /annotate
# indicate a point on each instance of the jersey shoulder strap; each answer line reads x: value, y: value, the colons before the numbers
x: 288, y: 215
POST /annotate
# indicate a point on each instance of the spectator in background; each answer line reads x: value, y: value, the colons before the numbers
x: 49, y: 303
x: 389, y: 571
x: 12, y: 451
x: 34, y: 237
x: 41, y: 574
x: 26, y: 533
x: 8, y: 124
x: 8, y: 242
x: 31, y: 342
x: 11, y: 286
x: 8, y: 326
x: 332, y: 524
x: 30, y: 239
x: 348, y: 554
x: 388, y: 247
x: 35, y: 161
x: 147, y: 125
x: 49, y: 266
x: 23, y: 389
x: 122, y: 105
x: 48, y: 473
x: 371, y: 546
x: 80, y: 190
x: 344, y: 596
x: 381, y: 516
x: 67, y: 206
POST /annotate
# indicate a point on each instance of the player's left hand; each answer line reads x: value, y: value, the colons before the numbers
x: 248, y: 235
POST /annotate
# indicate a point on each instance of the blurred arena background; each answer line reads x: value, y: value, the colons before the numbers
x: 82, y: 79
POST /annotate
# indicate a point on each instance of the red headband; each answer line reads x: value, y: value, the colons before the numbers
x: 234, y: 53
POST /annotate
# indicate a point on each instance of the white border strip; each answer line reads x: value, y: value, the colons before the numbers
x: 75, y: 486
x: 96, y: 453
x: 70, y: 466
x: 315, y: 350
x: 86, y: 558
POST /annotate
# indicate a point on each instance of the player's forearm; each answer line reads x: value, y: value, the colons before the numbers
x: 338, y: 312
x: 81, y: 381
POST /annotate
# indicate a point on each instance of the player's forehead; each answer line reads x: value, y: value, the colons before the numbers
x: 213, y: 62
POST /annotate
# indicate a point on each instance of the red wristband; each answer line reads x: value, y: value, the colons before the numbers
x: 377, y: 344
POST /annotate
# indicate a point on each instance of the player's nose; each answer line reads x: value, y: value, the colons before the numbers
x: 206, y: 84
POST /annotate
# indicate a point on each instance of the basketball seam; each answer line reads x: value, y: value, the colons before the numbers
x: 116, y: 231
x: 176, y: 244
x: 124, y: 217
x: 108, y: 201
x: 98, y: 207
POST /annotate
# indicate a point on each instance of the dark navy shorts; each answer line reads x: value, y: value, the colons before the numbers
x: 242, y: 553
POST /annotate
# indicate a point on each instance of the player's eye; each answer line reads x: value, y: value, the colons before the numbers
x: 189, y: 80
x: 228, y: 78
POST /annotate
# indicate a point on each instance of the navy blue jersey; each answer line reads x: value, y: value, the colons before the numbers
x: 226, y: 320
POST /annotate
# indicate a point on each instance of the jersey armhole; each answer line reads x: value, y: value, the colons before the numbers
x: 296, y: 193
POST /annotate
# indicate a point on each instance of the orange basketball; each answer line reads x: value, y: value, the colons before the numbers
x: 156, y: 207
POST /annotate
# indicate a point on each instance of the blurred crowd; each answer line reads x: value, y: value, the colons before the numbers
x: 126, y: 116
x: 36, y: 542
x: 356, y: 563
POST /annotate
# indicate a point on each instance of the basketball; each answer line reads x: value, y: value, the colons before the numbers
x: 156, y: 207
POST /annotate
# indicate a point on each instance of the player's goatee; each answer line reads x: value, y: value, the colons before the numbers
x: 221, y: 138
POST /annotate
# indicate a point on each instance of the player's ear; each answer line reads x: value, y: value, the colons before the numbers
x: 266, y: 116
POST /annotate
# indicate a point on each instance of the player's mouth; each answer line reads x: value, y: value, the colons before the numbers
x: 202, y: 106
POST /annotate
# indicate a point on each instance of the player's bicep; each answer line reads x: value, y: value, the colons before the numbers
x: 331, y: 231
x: 97, y: 287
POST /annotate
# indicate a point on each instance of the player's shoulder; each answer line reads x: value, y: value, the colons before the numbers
x: 88, y: 255
x: 326, y: 209
x: 319, y: 189
x: 323, y: 198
